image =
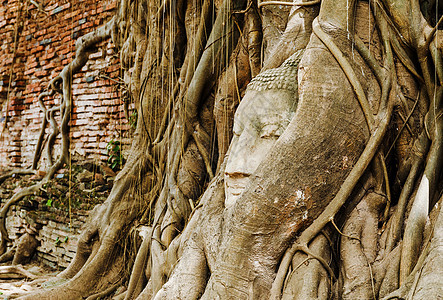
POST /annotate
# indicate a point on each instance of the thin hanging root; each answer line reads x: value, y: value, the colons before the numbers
x: 433, y: 32
x: 343, y: 234
x: 296, y: 268
x: 202, y: 149
x: 404, y: 125
x: 370, y: 59
x: 405, y: 120
x: 166, y: 114
x: 308, y: 3
x: 371, y: 273
x: 381, y: 158
x: 414, y: 285
x: 438, y: 61
x: 404, y: 58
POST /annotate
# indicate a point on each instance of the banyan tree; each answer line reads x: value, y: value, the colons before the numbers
x: 283, y: 150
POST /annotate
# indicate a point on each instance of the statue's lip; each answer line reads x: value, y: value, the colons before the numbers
x: 236, y: 192
x: 236, y: 188
x: 236, y: 185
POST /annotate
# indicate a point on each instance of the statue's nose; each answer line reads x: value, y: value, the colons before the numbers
x: 241, y: 156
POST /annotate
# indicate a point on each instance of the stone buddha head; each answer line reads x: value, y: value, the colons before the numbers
x: 262, y: 116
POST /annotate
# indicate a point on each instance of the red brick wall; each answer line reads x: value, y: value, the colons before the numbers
x: 45, y: 45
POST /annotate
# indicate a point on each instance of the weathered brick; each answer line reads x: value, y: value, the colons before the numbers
x: 60, y: 8
x: 41, y: 73
x: 40, y: 32
x: 45, y: 41
x: 36, y: 49
x: 50, y: 44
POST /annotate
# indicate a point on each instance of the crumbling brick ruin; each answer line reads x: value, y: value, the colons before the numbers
x: 36, y: 43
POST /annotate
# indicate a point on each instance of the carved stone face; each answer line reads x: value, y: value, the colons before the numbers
x: 260, y: 119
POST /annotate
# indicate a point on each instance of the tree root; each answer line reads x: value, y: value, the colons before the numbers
x: 46, y: 118
x: 310, y: 254
x: 353, y: 177
x: 280, y: 278
x: 309, y: 279
x: 383, y: 117
x: 413, y: 234
x: 370, y: 60
x: 201, y: 138
x: 8, y: 255
x: 358, y: 276
x: 61, y: 84
x: 419, y: 149
x: 139, y: 266
x: 16, y: 172
x: 106, y: 292
x: 410, y: 281
x: 172, y: 206
x: 403, y: 126
x: 14, y: 199
x: 26, y: 246
x: 174, y: 143
x: 306, y: 3
x: 348, y: 70
x: 424, y: 199
x: 10, y: 272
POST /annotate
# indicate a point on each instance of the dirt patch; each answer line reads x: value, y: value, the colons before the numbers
x: 14, y: 287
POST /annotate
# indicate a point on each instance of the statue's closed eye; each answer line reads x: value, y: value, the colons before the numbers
x: 270, y: 131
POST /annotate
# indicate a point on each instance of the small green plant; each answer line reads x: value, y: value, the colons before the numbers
x: 115, y: 159
x: 133, y: 119
x: 49, y: 202
x: 58, y: 241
